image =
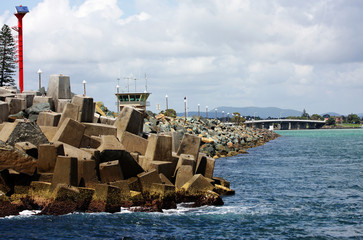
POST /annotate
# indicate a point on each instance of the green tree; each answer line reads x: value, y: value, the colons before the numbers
x: 330, y: 121
x: 237, y: 118
x: 7, y: 56
x: 169, y: 112
x: 353, y: 118
x: 316, y: 117
x: 305, y: 115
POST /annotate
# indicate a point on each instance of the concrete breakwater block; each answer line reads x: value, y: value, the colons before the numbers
x: 129, y: 120
x: 110, y: 171
x: 184, y: 173
x: 65, y: 171
x: 159, y: 148
x: 4, y: 111
x: 87, y: 174
x: 70, y: 132
x: 70, y: 111
x: 47, y: 156
x: 99, y: 129
x: 44, y: 99
x: 48, y: 119
x: 198, y: 184
x: 190, y: 145
x: 59, y: 87
x: 28, y: 97
x: 15, y: 104
x: 86, y: 108
x: 147, y: 179
x: 185, y: 159
x: 134, y: 143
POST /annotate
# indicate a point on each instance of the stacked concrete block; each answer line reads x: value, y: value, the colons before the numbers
x: 134, y: 143
x: 6, y: 95
x: 4, y: 111
x: 65, y: 171
x: 110, y: 143
x: 60, y: 104
x: 49, y: 131
x: 110, y: 171
x: 147, y: 179
x: 190, y: 145
x: 97, y: 129
x: 184, y: 173
x: 177, y: 138
x: 59, y: 87
x: 15, y: 104
x: 89, y: 142
x: 107, y: 120
x: 70, y: 111
x: 86, y: 108
x: 129, y: 120
x: 44, y: 99
x: 186, y: 159
x: 47, y: 156
x: 206, y: 167
x: 48, y: 119
x: 163, y: 167
x: 78, y: 153
x: 159, y: 148
x: 70, y: 132
x: 28, y: 97
x: 123, y: 185
x: 87, y: 172
x: 162, y: 190
x: 165, y: 180
x: 198, y: 184
x: 108, y: 194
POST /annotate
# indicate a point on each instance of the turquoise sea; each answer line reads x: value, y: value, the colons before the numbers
x: 307, y: 184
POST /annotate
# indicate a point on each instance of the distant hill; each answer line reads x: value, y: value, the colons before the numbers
x: 262, y: 112
x: 331, y: 114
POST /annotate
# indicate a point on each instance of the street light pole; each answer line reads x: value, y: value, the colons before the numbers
x: 198, y: 110
x: 166, y: 100
x: 185, y: 109
x: 216, y: 113
x: 40, y: 78
x: 206, y: 111
x: 118, y: 100
x: 223, y: 116
x: 84, y: 87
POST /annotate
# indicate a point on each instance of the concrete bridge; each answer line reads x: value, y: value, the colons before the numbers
x: 285, y: 124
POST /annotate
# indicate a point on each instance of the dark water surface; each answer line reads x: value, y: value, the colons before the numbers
x: 304, y: 185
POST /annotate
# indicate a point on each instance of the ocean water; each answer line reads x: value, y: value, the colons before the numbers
x: 307, y: 184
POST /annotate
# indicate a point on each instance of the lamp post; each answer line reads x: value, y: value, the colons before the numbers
x: 118, y: 100
x: 166, y: 101
x: 198, y: 110
x: 84, y: 87
x: 40, y: 78
x: 216, y: 113
x: 185, y: 109
x: 223, y: 116
x: 227, y: 117
x: 206, y: 112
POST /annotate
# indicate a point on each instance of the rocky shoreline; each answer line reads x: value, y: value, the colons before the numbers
x: 59, y: 154
x: 218, y: 139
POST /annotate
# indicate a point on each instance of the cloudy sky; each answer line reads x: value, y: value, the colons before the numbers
x: 267, y: 53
